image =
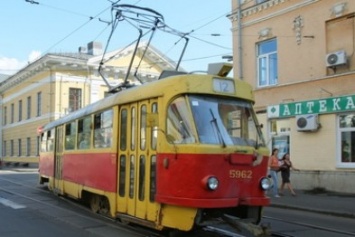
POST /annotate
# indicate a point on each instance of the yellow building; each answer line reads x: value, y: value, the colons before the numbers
x: 299, y: 57
x: 57, y: 84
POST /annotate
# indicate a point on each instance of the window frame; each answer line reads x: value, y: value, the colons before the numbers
x: 339, y: 147
x: 39, y: 104
x: 266, y: 57
x: 74, y: 99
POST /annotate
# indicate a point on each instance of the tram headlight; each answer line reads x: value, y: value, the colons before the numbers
x: 212, y: 183
x: 265, y: 183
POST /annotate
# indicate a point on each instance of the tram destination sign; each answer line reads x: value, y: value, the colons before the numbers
x: 322, y: 106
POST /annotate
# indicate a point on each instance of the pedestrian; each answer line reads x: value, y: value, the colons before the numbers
x: 274, y: 167
x: 285, y: 174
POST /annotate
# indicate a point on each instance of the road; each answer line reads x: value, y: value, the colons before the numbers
x: 304, y: 224
x: 28, y: 209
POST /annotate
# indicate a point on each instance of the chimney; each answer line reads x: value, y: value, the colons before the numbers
x: 94, y: 48
x: 83, y: 49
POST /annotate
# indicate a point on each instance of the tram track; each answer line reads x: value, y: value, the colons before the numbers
x: 86, y: 213
x: 312, y: 226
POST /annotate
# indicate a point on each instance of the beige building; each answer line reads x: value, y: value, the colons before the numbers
x: 57, y: 84
x: 299, y: 56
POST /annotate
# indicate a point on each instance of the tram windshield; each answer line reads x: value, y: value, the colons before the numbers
x: 212, y: 120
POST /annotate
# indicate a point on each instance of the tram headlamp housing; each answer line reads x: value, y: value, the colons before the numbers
x: 265, y: 183
x: 212, y: 183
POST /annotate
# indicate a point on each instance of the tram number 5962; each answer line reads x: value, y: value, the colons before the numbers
x: 240, y: 174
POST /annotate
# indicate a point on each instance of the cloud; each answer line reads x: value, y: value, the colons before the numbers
x: 34, y: 55
x: 12, y: 65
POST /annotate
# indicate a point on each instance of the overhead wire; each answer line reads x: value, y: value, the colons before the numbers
x: 76, y: 29
x: 190, y: 33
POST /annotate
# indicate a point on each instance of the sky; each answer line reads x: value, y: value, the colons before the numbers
x: 32, y: 28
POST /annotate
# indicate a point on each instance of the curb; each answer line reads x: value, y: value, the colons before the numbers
x: 314, y: 210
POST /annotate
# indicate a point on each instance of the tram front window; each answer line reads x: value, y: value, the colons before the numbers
x: 180, y: 123
x: 225, y: 121
x: 211, y: 120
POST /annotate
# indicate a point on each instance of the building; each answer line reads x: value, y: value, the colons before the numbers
x: 57, y: 84
x: 299, y: 57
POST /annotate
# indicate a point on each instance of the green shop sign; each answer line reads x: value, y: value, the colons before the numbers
x: 322, y: 106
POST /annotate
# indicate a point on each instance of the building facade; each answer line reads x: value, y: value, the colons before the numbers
x: 57, y: 84
x: 299, y: 57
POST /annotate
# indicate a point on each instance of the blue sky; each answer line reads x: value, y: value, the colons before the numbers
x: 30, y: 30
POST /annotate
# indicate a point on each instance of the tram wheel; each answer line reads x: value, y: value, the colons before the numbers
x: 95, y: 203
x: 104, y: 206
x: 100, y: 204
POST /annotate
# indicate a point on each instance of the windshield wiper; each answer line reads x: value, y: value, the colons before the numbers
x: 220, y: 136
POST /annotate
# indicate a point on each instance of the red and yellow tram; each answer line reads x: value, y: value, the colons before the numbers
x: 175, y: 153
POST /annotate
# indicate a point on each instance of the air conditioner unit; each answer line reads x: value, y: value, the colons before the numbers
x: 307, y: 122
x: 336, y: 58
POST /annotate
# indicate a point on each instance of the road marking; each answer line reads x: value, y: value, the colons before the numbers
x: 11, y: 204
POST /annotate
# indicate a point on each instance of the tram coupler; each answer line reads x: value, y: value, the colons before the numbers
x: 247, y: 227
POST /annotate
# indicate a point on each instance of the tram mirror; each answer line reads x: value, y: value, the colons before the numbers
x: 152, y: 119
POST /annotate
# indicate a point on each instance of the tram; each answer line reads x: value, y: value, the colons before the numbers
x: 177, y: 153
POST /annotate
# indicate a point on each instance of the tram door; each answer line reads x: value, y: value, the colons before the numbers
x: 58, y: 182
x: 137, y: 158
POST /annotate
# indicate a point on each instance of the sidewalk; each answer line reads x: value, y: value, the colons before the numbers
x: 320, y: 201
x: 20, y: 168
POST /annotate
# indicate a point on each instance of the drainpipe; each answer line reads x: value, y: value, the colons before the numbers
x: 1, y: 127
x: 51, y: 94
x: 240, y: 47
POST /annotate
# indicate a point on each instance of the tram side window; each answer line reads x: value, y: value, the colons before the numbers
x: 70, y: 135
x: 50, y: 140
x: 133, y: 128
x: 141, y: 177
x: 103, y: 129
x: 44, y: 142
x: 143, y: 126
x: 131, y: 176
x: 123, y: 130
x: 154, y: 129
x: 84, y: 133
x: 122, y: 176
x: 152, y: 178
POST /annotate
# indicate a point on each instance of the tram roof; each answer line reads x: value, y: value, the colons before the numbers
x: 171, y: 86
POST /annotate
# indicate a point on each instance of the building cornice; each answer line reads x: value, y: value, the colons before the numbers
x: 254, y: 10
x: 47, y: 62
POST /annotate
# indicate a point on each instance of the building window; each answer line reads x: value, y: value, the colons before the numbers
x: 12, y: 113
x: 5, y: 115
x: 12, y: 148
x: 347, y: 136
x: 74, y: 99
x: 28, y: 146
x: 19, y: 147
x: 38, y: 144
x: 260, y: 1
x: 4, y: 149
x: 29, y: 107
x: 20, y: 110
x: 39, y: 104
x: 267, y: 63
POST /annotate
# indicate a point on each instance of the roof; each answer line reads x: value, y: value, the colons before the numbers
x: 3, y: 77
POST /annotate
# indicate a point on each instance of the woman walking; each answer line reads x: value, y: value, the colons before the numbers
x: 274, y: 167
x: 285, y: 174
